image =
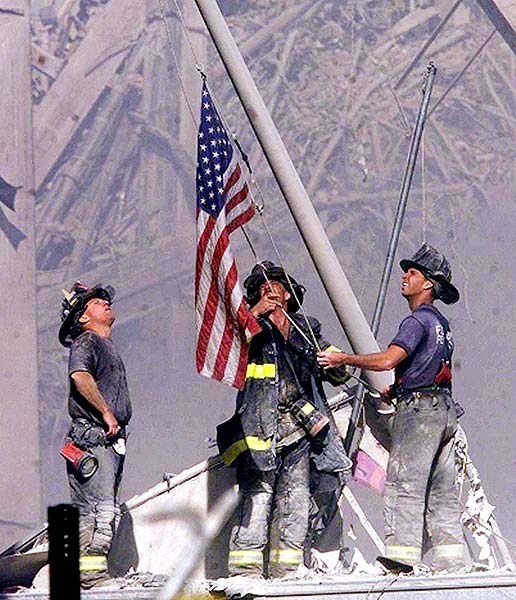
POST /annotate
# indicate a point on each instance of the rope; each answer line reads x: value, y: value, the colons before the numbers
x: 198, y: 65
x: 176, y: 59
x: 289, y: 279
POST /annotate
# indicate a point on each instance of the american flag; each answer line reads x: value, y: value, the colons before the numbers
x: 223, y: 322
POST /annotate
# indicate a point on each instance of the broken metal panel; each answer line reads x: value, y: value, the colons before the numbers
x: 502, y: 14
x: 19, y: 438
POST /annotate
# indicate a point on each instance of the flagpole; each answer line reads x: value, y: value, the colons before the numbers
x: 318, y: 245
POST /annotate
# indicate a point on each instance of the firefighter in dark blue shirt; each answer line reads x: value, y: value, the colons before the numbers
x: 422, y: 508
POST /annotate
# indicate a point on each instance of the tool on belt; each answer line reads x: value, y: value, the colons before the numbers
x: 83, y: 461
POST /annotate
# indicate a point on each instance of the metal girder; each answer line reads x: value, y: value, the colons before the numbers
x: 502, y: 14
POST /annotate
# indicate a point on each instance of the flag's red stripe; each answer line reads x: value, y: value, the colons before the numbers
x: 241, y: 220
x: 233, y: 178
x: 237, y: 199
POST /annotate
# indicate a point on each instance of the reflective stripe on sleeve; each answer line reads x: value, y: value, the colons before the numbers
x: 407, y: 554
x: 242, y: 558
x: 265, y: 371
x: 93, y: 563
x: 286, y: 556
x: 248, y: 443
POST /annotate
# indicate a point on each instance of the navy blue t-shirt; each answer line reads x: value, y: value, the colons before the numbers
x: 426, y: 337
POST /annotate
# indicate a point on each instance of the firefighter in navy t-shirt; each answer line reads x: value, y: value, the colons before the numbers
x: 422, y: 507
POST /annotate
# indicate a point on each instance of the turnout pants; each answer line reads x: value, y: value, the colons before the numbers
x: 97, y: 501
x: 422, y: 508
x: 272, y: 523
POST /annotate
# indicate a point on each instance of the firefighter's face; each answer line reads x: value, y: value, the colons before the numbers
x: 98, y: 312
x: 413, y: 283
x: 275, y: 290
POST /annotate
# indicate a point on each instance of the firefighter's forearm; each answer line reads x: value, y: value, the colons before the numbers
x: 88, y: 388
x: 377, y: 361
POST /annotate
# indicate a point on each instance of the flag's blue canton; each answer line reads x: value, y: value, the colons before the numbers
x: 214, y: 152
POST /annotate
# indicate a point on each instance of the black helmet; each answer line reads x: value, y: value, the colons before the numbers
x: 436, y: 268
x: 268, y: 271
x: 74, y: 304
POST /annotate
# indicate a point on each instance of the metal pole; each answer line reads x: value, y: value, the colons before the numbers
x: 402, y: 203
x: 395, y: 235
x: 325, y: 260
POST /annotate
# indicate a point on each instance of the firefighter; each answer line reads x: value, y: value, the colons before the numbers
x: 421, y: 498
x: 281, y: 432
x: 100, y: 409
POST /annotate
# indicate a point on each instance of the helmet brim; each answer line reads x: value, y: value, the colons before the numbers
x: 448, y: 293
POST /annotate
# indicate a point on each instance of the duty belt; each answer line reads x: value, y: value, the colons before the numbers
x: 88, y: 435
x: 428, y: 390
x: 432, y: 390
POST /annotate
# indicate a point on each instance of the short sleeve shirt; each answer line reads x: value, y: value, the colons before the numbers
x: 99, y: 356
x: 426, y: 337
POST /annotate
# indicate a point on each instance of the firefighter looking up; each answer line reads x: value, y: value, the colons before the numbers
x: 420, y: 495
x: 281, y: 432
x: 100, y: 409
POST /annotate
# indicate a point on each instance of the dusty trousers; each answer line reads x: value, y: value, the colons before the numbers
x: 97, y: 501
x: 421, y: 504
x: 272, y: 522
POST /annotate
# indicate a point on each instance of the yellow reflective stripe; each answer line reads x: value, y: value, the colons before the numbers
x: 286, y: 556
x: 403, y: 553
x: 448, y: 551
x: 248, y: 443
x: 245, y: 557
x: 93, y: 563
x: 332, y: 349
x: 307, y: 408
x: 265, y: 371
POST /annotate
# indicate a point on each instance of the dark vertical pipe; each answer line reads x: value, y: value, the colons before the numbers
x: 63, y: 552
